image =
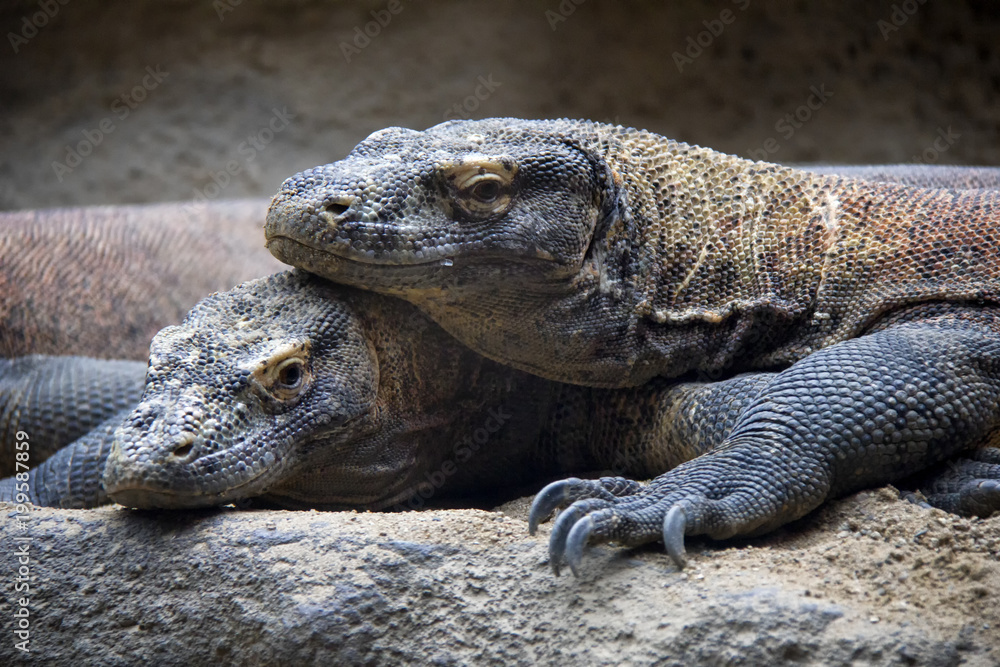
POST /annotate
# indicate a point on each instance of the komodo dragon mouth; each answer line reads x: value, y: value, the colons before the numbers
x: 145, y: 498
x: 351, y: 269
x: 125, y: 489
x: 293, y: 235
x: 281, y: 245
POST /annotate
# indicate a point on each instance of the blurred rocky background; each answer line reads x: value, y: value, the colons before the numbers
x: 117, y: 102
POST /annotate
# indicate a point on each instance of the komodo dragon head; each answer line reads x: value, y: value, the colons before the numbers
x: 520, y: 196
x: 493, y: 227
x: 291, y: 388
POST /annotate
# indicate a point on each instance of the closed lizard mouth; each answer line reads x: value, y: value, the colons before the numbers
x: 135, y: 493
x: 145, y: 497
x: 282, y: 245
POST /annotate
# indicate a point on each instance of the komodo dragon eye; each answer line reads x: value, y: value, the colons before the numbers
x: 290, y: 374
x: 285, y: 375
x: 486, y: 191
x: 482, y: 188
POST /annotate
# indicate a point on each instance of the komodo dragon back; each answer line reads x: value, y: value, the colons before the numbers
x: 101, y: 281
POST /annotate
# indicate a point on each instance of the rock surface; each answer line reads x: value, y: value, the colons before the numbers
x: 869, y: 580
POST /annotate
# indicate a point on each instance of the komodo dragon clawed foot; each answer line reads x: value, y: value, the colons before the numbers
x: 621, y: 510
x: 719, y: 494
x: 565, y: 491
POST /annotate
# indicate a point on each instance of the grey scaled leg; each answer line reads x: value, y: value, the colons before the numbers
x: 857, y: 414
x: 689, y: 418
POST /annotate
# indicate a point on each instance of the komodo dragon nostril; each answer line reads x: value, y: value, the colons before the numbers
x: 337, y: 207
x: 184, y: 445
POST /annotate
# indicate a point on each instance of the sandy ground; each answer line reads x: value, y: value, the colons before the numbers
x: 894, y: 560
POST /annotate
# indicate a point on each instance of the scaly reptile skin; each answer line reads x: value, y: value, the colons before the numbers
x: 608, y: 256
x: 55, y: 400
x: 605, y: 256
x: 381, y: 407
x: 100, y: 281
x: 915, y: 175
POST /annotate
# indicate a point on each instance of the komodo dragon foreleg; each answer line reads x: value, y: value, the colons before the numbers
x: 853, y: 415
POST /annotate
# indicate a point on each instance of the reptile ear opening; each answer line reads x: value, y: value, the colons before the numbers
x: 338, y: 206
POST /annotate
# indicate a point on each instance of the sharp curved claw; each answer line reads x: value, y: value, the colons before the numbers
x: 674, y: 525
x: 560, y: 532
x: 577, y: 540
x: 547, y: 501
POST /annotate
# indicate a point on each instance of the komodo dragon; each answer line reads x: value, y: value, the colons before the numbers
x: 100, y: 282
x: 608, y: 256
x: 316, y: 395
